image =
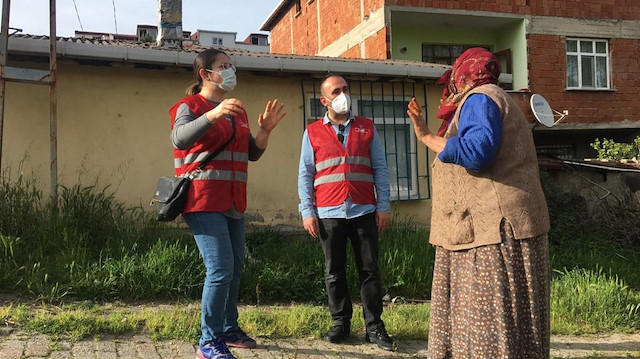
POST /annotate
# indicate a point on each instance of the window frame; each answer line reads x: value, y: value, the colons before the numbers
x: 579, y: 54
x: 451, y: 57
x: 398, y: 193
x: 216, y: 41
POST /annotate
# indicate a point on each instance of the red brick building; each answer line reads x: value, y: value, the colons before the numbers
x: 582, y: 56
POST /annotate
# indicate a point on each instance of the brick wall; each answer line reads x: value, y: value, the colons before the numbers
x: 376, y: 46
x: 547, y: 73
x: 280, y: 36
x: 608, y: 9
x: 352, y: 53
x: 337, y: 18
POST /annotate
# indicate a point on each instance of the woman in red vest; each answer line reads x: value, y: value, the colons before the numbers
x: 201, y: 123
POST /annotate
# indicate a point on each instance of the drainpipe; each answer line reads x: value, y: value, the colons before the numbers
x: 169, y: 23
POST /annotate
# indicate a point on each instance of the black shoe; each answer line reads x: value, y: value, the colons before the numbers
x: 337, y: 334
x: 381, y: 338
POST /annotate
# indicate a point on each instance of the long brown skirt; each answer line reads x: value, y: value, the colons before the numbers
x: 491, y: 301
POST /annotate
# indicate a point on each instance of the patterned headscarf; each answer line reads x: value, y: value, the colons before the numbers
x: 475, y: 67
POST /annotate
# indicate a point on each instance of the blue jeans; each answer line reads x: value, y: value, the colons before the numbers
x: 221, y: 243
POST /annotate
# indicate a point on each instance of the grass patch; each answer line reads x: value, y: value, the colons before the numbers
x: 585, y: 301
x: 74, y: 322
x: 91, y: 247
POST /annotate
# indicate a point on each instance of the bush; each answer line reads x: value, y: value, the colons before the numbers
x: 611, y: 150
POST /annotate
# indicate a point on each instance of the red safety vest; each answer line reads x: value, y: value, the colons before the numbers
x: 340, y: 171
x: 223, y: 181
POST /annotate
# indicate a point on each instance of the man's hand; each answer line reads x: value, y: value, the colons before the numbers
x: 311, y: 226
x: 382, y: 220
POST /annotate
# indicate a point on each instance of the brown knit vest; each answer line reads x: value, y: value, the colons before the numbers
x: 468, y: 206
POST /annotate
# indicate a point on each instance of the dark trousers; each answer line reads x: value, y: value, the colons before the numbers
x: 363, y: 234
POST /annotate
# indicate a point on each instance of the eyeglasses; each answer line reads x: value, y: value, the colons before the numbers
x: 341, y: 133
x: 223, y: 66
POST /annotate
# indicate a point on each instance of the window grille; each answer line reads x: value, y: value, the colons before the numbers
x: 385, y: 103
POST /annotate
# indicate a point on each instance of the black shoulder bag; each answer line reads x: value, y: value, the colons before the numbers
x: 171, y: 192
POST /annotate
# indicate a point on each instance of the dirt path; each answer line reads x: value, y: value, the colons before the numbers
x: 596, y: 346
x: 18, y: 345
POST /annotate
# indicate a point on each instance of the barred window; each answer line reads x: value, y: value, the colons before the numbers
x: 443, y: 53
x: 386, y: 104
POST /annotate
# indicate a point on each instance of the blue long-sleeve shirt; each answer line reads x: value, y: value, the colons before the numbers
x: 348, y: 209
x: 479, y: 135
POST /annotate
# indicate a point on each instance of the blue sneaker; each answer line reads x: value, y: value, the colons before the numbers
x: 216, y: 349
x: 239, y: 339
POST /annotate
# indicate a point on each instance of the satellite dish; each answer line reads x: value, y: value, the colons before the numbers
x: 544, y: 113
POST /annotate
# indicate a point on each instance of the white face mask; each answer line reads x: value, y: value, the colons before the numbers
x: 341, y: 104
x: 229, y: 79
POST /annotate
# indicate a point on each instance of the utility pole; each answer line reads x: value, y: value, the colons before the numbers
x: 37, y: 77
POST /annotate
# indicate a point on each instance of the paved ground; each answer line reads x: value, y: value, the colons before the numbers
x: 18, y: 345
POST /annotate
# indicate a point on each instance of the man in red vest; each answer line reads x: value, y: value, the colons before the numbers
x: 343, y: 186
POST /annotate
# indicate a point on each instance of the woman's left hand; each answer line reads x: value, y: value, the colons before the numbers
x: 273, y: 113
x: 419, y: 124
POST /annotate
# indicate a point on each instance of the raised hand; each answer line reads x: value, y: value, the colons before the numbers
x: 228, y: 107
x: 273, y: 113
x: 419, y: 124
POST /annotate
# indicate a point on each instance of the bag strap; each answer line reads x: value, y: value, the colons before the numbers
x: 213, y: 154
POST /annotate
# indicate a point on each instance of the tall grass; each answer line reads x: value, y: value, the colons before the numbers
x: 588, y: 301
x: 90, y: 246
x: 93, y: 247
x: 292, y: 269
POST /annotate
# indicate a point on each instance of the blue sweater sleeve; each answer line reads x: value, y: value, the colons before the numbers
x: 306, y: 175
x: 479, y: 135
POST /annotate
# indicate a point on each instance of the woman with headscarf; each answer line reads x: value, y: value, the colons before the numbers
x: 489, y: 221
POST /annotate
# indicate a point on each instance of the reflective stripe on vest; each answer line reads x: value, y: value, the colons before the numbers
x: 337, y: 161
x: 221, y: 175
x: 339, y: 177
x: 200, y: 156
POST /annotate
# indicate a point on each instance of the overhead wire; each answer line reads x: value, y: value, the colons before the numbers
x: 115, y: 20
x: 78, y: 14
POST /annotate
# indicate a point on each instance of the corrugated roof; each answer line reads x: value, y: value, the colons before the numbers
x: 150, y: 52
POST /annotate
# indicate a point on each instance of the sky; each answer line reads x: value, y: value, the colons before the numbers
x: 240, y: 16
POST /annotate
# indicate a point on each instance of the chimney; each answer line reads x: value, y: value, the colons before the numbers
x: 169, y: 23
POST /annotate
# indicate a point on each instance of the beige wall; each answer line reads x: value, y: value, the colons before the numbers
x: 113, y: 127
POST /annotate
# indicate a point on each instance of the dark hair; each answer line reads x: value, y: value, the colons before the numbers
x: 330, y: 74
x: 204, y: 60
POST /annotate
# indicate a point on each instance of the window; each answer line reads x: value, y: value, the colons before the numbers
x: 216, y: 41
x: 444, y: 54
x: 258, y: 40
x: 565, y: 152
x: 587, y: 64
x: 396, y: 136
